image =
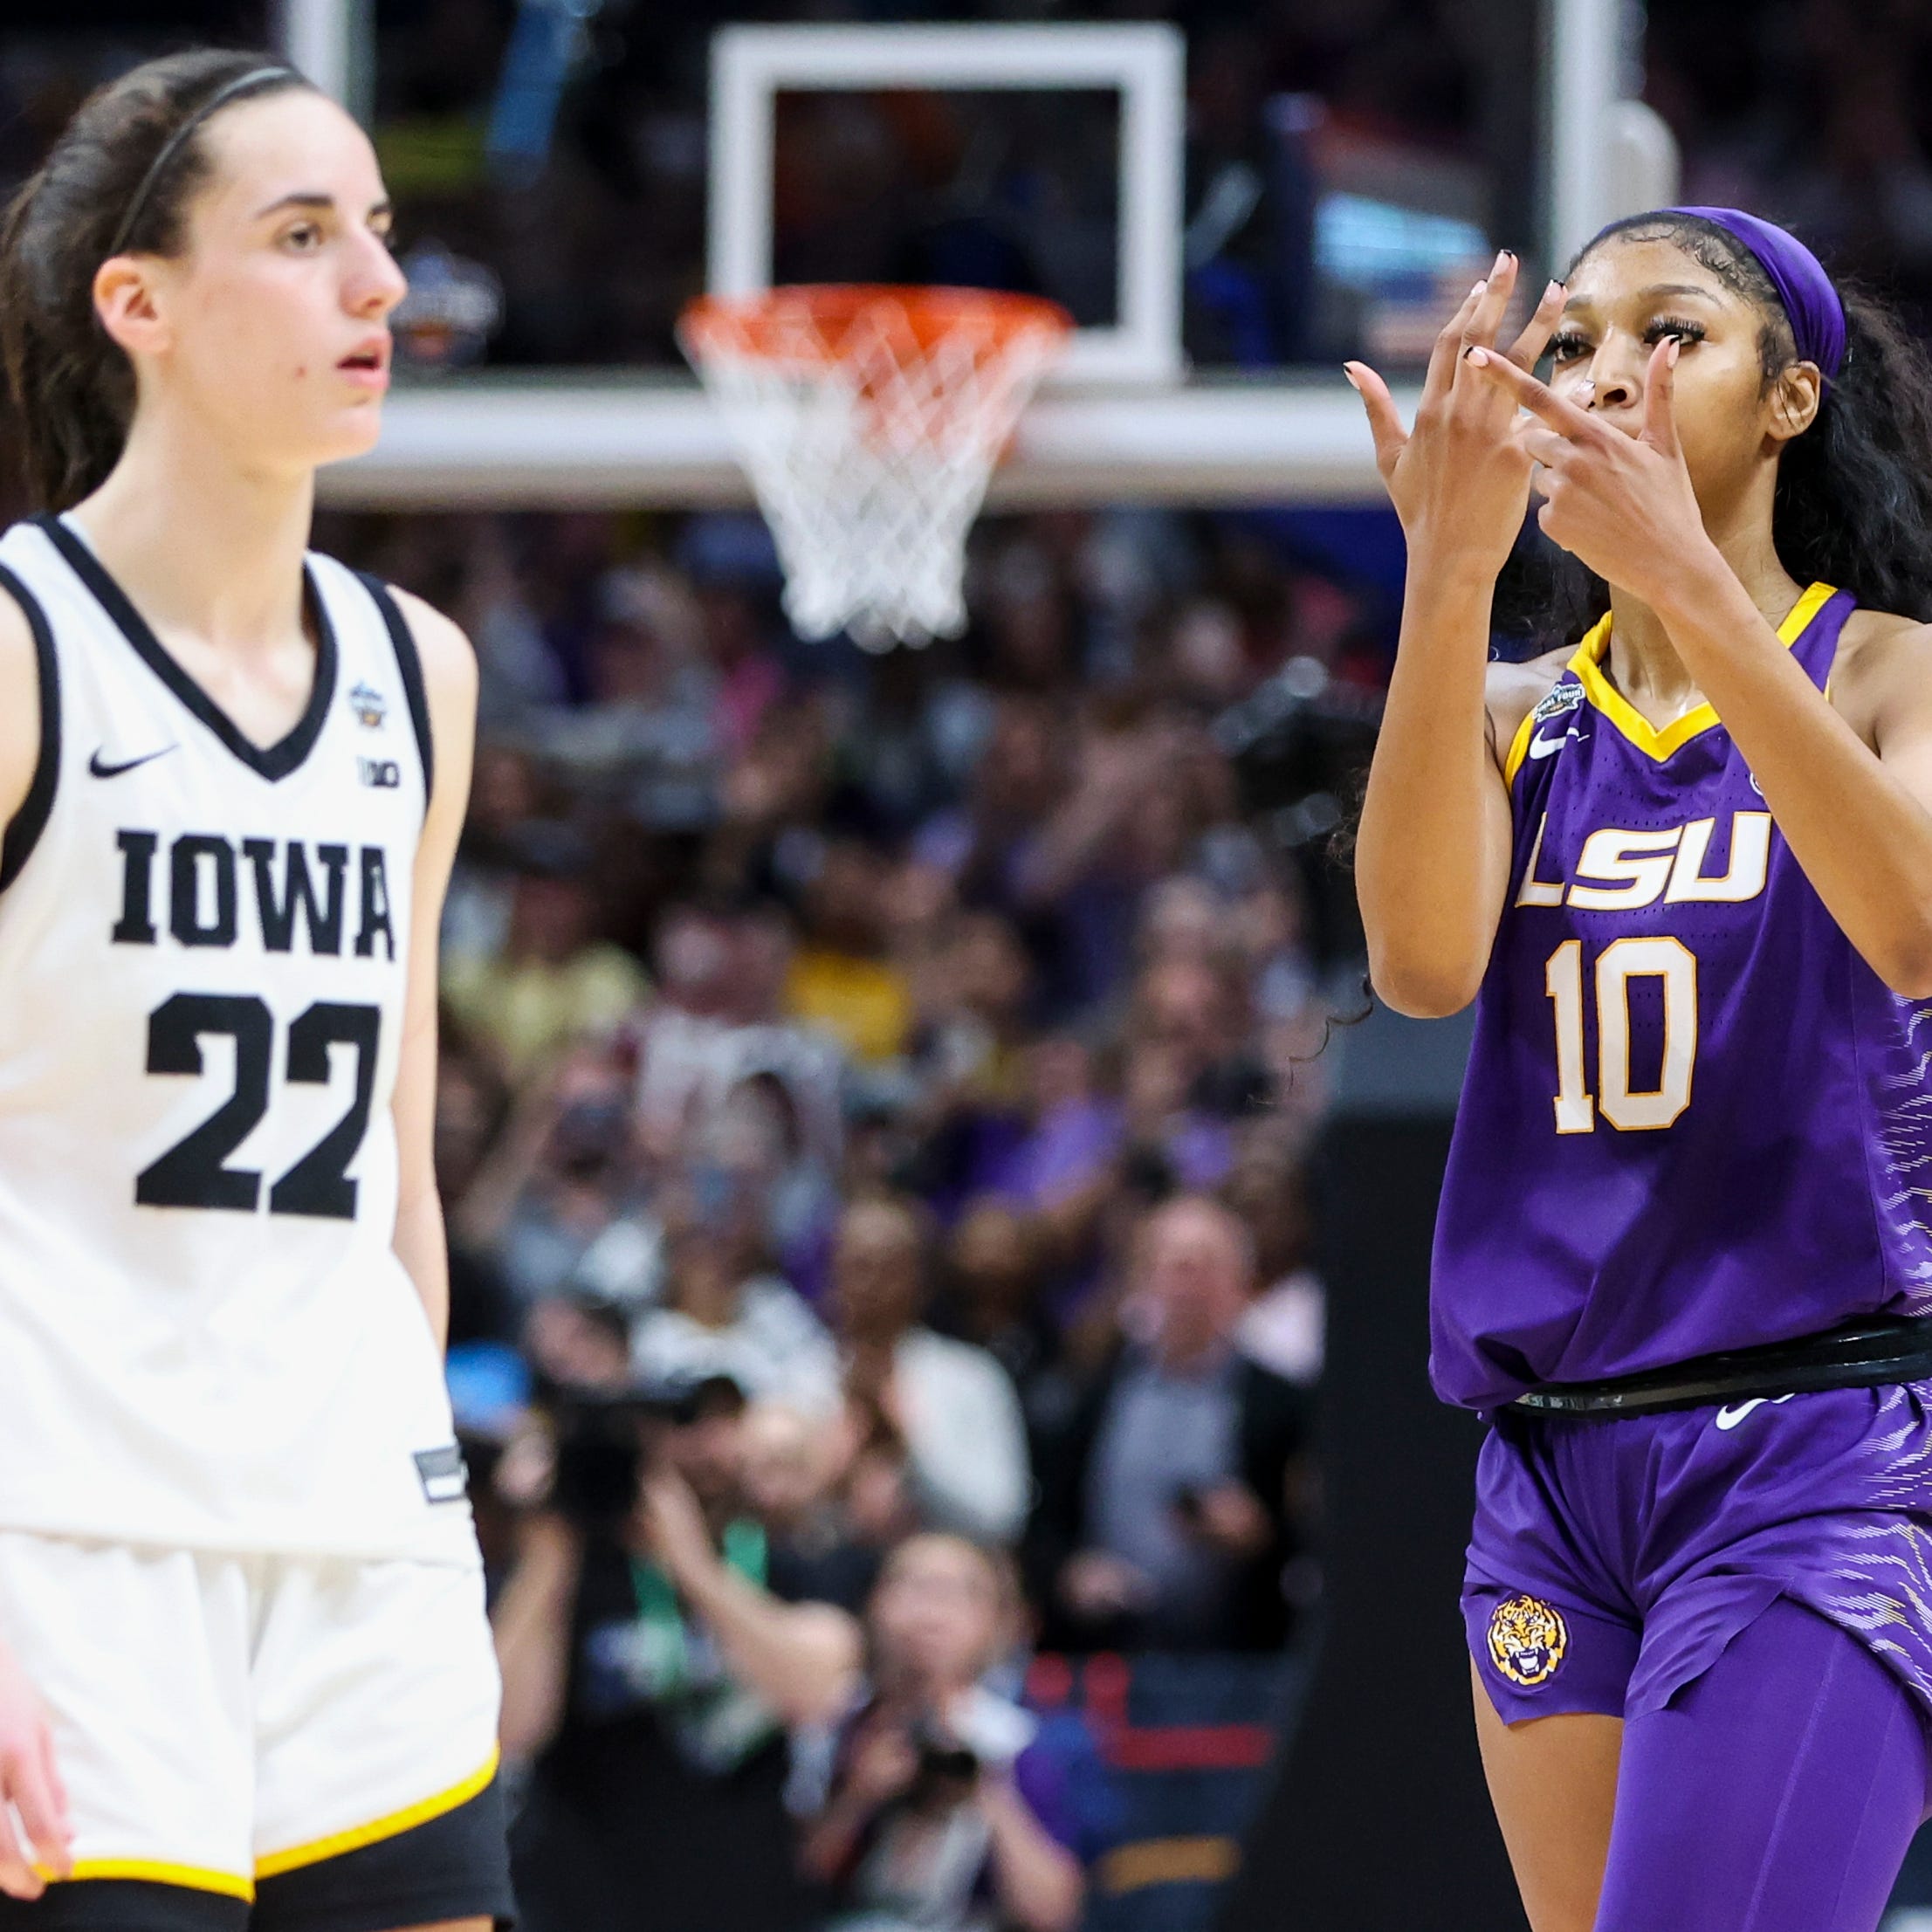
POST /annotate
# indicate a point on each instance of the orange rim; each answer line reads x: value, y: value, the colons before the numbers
x: 811, y: 321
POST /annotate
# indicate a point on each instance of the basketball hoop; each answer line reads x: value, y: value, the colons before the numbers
x: 869, y: 420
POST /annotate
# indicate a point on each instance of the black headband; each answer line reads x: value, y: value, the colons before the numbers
x: 242, y: 83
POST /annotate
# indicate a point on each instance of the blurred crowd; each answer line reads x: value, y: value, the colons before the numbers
x: 876, y: 1103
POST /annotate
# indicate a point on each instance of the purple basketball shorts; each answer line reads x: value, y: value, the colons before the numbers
x: 1613, y: 1561
x: 1750, y: 1587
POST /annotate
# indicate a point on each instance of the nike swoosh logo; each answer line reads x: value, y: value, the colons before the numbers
x: 1733, y: 1412
x: 100, y: 768
x: 1542, y: 748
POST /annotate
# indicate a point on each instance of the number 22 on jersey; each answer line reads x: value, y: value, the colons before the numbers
x: 1630, y: 1109
x: 194, y: 1172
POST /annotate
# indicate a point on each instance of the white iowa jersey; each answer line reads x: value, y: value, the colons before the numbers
x: 205, y: 1337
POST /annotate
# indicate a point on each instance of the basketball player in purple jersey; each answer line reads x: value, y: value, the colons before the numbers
x: 1683, y: 1259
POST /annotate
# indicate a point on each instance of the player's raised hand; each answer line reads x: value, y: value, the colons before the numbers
x: 1619, y: 497
x: 36, y: 1834
x: 1460, y: 481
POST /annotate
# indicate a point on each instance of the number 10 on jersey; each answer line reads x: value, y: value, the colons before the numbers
x: 1632, y: 1110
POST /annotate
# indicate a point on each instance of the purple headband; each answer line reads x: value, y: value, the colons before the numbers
x: 1816, y: 312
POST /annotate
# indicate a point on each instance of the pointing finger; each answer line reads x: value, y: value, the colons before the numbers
x: 1660, y: 429
x: 1542, y: 445
x: 1565, y: 418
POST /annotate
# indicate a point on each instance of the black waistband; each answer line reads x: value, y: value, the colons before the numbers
x: 1862, y: 1354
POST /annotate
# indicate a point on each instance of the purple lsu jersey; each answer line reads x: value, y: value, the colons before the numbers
x: 1694, y: 1118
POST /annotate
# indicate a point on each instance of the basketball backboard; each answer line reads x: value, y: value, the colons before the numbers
x: 1048, y: 158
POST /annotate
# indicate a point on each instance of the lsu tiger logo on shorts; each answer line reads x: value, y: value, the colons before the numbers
x: 1527, y: 1640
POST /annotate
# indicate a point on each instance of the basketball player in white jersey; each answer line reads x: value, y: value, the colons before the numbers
x: 245, y: 1678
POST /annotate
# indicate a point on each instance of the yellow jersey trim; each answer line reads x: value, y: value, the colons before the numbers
x: 1519, y: 745
x: 1588, y: 665
x: 337, y: 1843
x: 195, y: 1877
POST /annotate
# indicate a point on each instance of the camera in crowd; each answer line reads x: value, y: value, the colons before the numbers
x: 608, y: 1441
x: 948, y: 1770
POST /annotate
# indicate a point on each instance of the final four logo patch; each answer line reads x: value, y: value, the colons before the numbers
x: 1565, y: 696
x: 1527, y: 1640
x: 371, y: 706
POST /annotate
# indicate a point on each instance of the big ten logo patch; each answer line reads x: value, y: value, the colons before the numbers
x: 1528, y: 1639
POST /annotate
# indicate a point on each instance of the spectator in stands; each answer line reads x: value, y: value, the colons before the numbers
x: 559, y: 1200
x: 943, y: 1413
x: 472, y: 1104
x: 716, y: 1024
x: 718, y: 1313
x: 1146, y: 786
x: 1165, y: 1516
x: 579, y: 1343
x: 974, y: 996
x: 792, y: 1466
x: 1071, y: 1134
x: 992, y: 1287
x: 841, y: 980
x: 1018, y: 778
x: 656, y: 1647
x: 554, y: 980
x: 1285, y: 1328
x: 645, y: 742
x: 507, y: 793
x: 1161, y: 1118
x: 949, y: 1808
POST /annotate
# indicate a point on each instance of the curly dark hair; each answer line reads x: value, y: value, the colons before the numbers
x: 1854, y: 502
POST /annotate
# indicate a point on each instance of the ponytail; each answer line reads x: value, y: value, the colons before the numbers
x: 119, y: 180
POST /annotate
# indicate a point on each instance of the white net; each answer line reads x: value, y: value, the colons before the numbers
x: 868, y: 421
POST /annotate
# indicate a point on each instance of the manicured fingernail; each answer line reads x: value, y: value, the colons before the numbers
x: 1671, y: 354
x: 1348, y: 371
x: 1480, y: 286
x: 1503, y: 255
x: 1554, y: 288
x: 1478, y: 356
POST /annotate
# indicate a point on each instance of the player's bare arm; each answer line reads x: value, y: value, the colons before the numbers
x: 450, y: 679
x: 1433, y: 859
x: 29, y: 1780
x: 1856, y: 806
